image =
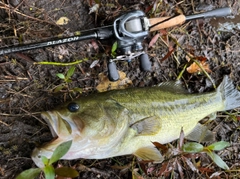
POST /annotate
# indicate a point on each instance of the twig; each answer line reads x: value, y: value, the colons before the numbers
x: 4, y: 123
x: 14, y: 10
x: 18, y: 115
x: 31, y: 114
x: 181, y: 73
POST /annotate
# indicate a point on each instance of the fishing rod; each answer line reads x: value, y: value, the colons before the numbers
x: 129, y: 31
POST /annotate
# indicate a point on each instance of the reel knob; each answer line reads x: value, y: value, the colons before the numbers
x: 112, y: 71
x: 145, y: 64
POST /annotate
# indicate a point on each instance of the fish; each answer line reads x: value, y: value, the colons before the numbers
x: 124, y: 122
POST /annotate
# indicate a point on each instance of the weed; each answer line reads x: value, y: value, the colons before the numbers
x: 48, y: 169
x: 66, y: 80
x: 186, y: 156
x: 113, y: 50
x: 194, y: 147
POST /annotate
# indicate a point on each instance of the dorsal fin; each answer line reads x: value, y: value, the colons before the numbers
x: 173, y: 86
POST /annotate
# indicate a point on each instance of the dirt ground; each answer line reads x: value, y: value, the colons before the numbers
x: 27, y: 89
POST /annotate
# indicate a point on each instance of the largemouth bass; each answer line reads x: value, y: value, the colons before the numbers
x: 122, y: 122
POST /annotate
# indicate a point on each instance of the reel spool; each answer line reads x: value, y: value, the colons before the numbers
x: 130, y: 30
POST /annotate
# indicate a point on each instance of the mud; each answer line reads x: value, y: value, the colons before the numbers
x: 27, y: 89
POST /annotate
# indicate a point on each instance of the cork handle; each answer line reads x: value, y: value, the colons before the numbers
x: 172, y: 22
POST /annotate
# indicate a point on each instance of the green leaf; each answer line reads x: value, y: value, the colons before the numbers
x: 49, y: 172
x: 80, y: 90
x: 60, y: 151
x: 216, y: 159
x: 44, y: 160
x: 192, y: 147
x: 30, y: 173
x: 68, y: 80
x: 218, y: 145
x: 114, y: 47
x: 66, y: 172
x: 61, y: 76
x: 58, y: 88
x: 70, y: 72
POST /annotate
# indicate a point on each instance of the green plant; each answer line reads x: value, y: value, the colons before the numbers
x: 66, y: 80
x: 49, y: 170
x: 194, y: 147
x: 113, y: 50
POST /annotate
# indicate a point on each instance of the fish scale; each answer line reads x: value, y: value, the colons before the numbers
x: 123, y: 122
x: 166, y: 104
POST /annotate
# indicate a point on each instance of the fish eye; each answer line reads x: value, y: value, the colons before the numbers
x: 73, y: 107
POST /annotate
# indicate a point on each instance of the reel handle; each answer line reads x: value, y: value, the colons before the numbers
x: 112, y: 71
x: 145, y: 64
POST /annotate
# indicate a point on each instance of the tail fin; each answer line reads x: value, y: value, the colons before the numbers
x: 230, y: 94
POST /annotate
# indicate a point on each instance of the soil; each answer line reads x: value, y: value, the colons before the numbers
x: 26, y: 89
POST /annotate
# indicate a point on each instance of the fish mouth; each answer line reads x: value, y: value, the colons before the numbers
x: 51, y: 119
x: 37, y: 158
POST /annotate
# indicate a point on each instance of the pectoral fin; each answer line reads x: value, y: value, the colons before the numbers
x: 149, y: 153
x: 201, y: 134
x: 147, y: 126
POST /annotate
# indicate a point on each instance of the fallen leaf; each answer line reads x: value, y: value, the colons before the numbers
x: 201, y: 58
x: 94, y: 45
x: 162, y: 147
x: 181, y: 139
x: 180, y: 170
x: 190, y: 164
x: 105, y: 84
x: 94, y: 63
x: 62, y: 21
x: 163, y: 32
x: 93, y: 8
x: 148, y: 8
x: 154, y: 40
x: 171, y: 50
x: 194, y: 68
x: 165, y: 169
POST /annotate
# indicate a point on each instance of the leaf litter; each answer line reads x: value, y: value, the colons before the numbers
x: 220, y: 49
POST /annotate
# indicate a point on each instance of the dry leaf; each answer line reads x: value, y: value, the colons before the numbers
x: 190, y: 164
x: 94, y: 63
x: 194, y: 68
x: 162, y: 147
x: 62, y: 21
x: 154, y: 40
x: 180, y: 170
x: 170, y: 51
x: 181, y: 139
x: 106, y: 85
x: 93, y: 8
x: 94, y: 45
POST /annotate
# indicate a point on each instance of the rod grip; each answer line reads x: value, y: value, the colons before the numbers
x: 220, y: 12
x: 170, y: 23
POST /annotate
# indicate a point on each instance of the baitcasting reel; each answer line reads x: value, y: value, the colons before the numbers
x: 129, y: 31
